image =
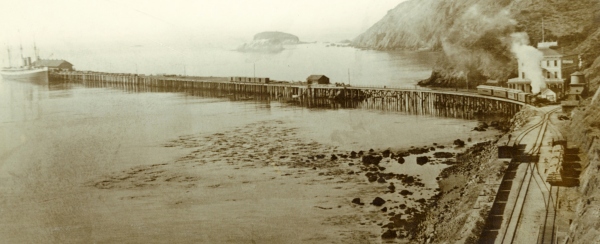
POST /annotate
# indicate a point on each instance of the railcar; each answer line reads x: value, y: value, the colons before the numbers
x: 262, y: 80
x: 513, y: 94
x: 524, y: 97
x: 500, y: 92
x: 484, y: 90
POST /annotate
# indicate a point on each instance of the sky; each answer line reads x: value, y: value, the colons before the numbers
x: 74, y: 23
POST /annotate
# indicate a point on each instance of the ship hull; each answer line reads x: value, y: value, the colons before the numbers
x: 36, y: 76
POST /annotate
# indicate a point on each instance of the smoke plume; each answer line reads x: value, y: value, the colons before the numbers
x: 529, y: 59
x: 478, y: 43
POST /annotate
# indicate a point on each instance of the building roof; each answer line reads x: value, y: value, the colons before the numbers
x: 550, y: 52
x: 51, y: 63
x: 577, y: 73
x: 548, y: 91
x: 315, y: 77
x: 518, y: 80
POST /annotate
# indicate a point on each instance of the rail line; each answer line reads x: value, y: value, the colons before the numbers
x: 516, y: 214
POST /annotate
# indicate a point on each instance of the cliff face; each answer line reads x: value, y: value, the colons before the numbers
x: 476, y: 36
x: 584, y: 131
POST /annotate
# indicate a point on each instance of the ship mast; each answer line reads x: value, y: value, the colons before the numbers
x: 9, y: 61
x: 36, y: 52
x: 21, y: 49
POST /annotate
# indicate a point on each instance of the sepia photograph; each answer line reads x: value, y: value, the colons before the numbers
x: 278, y: 121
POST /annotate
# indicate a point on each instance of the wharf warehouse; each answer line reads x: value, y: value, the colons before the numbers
x: 317, y: 79
x: 54, y: 64
x: 556, y: 70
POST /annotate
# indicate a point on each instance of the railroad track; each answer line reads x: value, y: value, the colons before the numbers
x: 531, y: 172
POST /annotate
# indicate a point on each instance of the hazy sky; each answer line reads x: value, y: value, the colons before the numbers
x: 77, y: 22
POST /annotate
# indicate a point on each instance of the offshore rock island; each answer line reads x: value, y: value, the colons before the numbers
x: 269, y: 42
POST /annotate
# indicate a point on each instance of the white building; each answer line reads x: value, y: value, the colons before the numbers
x: 554, y: 65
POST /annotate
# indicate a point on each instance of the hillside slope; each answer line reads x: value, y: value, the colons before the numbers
x: 476, y: 35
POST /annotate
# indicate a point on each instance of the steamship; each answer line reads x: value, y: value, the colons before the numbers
x: 26, y: 73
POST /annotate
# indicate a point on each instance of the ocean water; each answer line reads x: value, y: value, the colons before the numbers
x: 295, y: 63
x: 56, y: 138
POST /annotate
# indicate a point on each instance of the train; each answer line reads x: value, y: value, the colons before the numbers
x: 261, y: 80
x: 502, y: 92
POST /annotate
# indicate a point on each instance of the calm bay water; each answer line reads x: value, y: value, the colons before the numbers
x: 56, y: 138
x: 296, y: 62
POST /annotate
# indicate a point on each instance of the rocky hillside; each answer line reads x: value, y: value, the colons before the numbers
x: 476, y: 36
x: 584, y: 131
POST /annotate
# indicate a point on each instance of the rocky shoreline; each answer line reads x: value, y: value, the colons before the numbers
x: 399, y: 187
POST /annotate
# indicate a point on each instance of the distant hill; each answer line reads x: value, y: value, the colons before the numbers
x: 269, y: 42
x: 475, y: 35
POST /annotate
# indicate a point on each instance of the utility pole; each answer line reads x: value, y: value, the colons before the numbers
x: 254, y: 67
x: 348, y: 76
x: 467, y: 80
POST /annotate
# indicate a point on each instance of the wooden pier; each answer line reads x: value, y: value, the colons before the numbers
x: 414, y: 100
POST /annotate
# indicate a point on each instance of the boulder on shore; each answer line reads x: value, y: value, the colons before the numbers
x: 378, y: 201
x: 422, y: 160
x: 389, y: 234
x: 371, y: 159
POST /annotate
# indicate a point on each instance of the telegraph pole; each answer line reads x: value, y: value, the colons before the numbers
x: 348, y: 76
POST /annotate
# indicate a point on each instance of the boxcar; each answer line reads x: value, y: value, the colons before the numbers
x: 524, y: 97
x: 484, y: 90
x: 513, y: 94
x: 499, y: 92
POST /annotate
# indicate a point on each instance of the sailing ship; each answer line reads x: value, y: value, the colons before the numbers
x: 26, y: 72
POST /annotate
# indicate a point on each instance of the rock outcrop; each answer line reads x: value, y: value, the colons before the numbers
x: 269, y: 42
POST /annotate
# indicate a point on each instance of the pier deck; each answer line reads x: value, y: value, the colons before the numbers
x: 409, y: 97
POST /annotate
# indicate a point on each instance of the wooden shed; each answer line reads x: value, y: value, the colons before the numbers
x: 317, y: 79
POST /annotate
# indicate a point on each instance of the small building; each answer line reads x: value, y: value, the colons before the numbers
x: 548, y: 94
x: 317, y: 79
x: 54, y: 64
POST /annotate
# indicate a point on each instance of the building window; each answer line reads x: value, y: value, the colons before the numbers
x: 547, y: 63
x: 548, y: 74
x: 555, y: 74
x: 555, y: 63
x: 523, y: 75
